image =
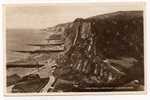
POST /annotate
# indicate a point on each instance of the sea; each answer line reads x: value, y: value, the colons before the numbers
x: 17, y: 39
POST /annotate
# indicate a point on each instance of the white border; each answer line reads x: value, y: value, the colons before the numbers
x: 64, y: 93
x: 146, y: 41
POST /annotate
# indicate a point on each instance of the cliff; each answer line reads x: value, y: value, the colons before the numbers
x: 103, y: 49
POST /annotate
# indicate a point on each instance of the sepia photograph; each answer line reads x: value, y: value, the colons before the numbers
x: 74, y: 48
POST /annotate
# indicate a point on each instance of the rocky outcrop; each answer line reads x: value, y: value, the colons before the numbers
x: 99, y: 48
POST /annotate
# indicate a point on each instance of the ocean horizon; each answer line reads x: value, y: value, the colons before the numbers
x: 17, y: 39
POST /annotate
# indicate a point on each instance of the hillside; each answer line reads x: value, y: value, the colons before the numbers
x: 116, y: 38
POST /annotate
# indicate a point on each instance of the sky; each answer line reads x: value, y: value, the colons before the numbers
x: 38, y: 16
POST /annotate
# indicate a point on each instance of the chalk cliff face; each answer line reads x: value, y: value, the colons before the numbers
x: 117, y: 37
x: 117, y: 34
